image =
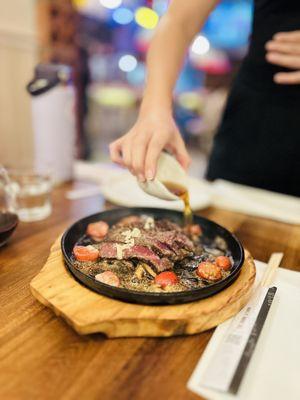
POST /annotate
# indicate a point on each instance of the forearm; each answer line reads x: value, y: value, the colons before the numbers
x: 165, y: 58
x: 168, y: 48
x: 155, y: 129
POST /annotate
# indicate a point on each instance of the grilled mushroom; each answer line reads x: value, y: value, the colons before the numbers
x: 139, y: 271
x: 149, y: 270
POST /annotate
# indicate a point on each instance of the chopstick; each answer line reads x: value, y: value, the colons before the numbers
x: 272, y: 266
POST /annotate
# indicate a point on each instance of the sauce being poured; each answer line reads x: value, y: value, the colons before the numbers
x: 183, y: 194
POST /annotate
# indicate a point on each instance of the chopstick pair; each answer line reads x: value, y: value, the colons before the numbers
x: 272, y: 266
x: 265, y: 282
x: 239, y: 342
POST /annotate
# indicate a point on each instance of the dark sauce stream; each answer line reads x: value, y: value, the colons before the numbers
x: 183, y: 194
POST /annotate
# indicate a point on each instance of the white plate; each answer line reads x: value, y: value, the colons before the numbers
x: 124, y: 191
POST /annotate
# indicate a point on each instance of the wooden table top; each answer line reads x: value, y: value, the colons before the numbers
x: 41, y: 357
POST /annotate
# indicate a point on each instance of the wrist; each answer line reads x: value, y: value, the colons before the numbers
x: 157, y: 106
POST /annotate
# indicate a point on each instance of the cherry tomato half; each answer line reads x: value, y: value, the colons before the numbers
x: 209, y: 271
x: 223, y: 262
x: 195, y: 229
x: 166, y: 278
x: 97, y: 230
x: 109, y: 278
x: 85, y: 253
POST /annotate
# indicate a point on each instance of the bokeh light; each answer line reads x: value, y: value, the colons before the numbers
x: 200, y: 45
x: 214, y: 62
x: 137, y: 76
x: 114, y: 96
x: 122, y: 15
x: 111, y: 3
x: 228, y: 26
x: 127, y: 63
x: 160, y: 6
x: 79, y: 3
x: 146, y: 18
x: 142, y: 39
x: 189, y: 100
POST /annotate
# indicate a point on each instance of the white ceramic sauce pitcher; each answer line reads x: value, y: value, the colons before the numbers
x: 168, y: 170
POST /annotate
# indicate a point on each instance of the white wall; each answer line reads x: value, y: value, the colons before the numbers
x: 18, y: 55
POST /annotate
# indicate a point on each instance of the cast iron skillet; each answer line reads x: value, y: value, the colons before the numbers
x: 210, y: 230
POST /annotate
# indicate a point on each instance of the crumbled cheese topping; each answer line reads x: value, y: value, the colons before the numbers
x: 121, y: 247
x: 149, y: 223
x: 135, y: 233
x: 119, y: 251
x: 129, y: 236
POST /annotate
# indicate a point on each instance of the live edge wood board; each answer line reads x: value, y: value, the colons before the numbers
x: 88, y: 312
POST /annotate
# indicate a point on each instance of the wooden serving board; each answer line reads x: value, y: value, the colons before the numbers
x: 88, y: 312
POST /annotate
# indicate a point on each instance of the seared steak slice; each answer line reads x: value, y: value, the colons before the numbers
x: 143, y: 253
x: 182, y: 240
x: 166, y: 225
x: 116, y: 233
x: 172, y: 244
x: 131, y: 220
x: 162, y: 249
x: 174, y: 239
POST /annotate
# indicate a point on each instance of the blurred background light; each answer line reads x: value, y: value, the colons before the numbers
x: 228, y: 26
x: 114, y: 96
x: 142, y: 39
x: 160, y: 6
x: 111, y: 3
x: 123, y: 16
x: 137, y: 76
x: 189, y: 100
x: 214, y: 62
x: 127, y: 63
x: 79, y: 3
x: 200, y: 45
x: 146, y: 17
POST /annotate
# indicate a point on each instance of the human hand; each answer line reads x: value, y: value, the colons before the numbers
x: 284, y: 50
x: 139, y: 149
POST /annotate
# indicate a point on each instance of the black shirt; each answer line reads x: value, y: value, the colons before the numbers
x: 258, y: 141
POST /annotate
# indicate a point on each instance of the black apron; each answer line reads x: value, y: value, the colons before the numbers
x: 258, y: 141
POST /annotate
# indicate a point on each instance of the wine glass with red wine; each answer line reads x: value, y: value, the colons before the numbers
x: 8, y: 217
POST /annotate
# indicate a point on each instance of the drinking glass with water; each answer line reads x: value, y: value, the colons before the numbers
x: 32, y: 194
